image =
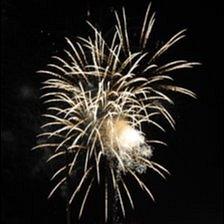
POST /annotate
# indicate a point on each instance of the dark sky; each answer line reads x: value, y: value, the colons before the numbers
x: 34, y: 30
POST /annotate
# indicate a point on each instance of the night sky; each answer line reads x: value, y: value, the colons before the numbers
x: 34, y: 30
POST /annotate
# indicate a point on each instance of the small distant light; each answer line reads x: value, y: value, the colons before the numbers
x: 26, y: 92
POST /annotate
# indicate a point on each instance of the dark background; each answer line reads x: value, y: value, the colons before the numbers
x: 34, y: 30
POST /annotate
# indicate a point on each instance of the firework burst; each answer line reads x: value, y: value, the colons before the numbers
x: 100, y: 95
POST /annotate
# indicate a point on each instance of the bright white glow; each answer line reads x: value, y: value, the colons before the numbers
x: 125, y: 137
x: 129, y: 138
x: 129, y: 143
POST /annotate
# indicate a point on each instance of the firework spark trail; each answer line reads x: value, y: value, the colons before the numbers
x: 99, y: 96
